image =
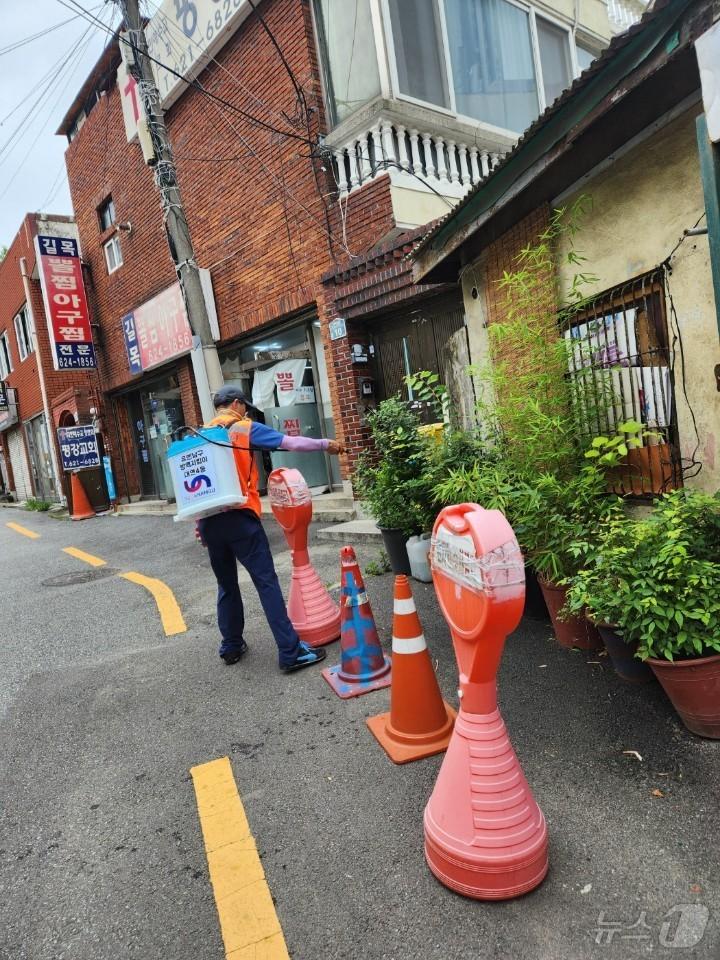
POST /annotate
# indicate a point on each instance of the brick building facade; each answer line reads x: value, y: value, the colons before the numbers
x: 40, y: 397
x: 265, y: 224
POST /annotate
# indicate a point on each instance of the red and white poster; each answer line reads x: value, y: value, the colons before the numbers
x: 66, y: 308
x: 157, y: 331
x: 291, y: 426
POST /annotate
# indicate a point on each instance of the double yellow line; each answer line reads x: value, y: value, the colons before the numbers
x: 168, y: 607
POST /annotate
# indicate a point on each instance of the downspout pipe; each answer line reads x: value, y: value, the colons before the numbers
x: 41, y: 376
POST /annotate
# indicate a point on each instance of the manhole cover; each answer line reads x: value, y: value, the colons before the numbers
x: 80, y: 576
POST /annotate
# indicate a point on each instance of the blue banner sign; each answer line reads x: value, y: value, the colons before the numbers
x: 78, y: 448
x: 109, y: 478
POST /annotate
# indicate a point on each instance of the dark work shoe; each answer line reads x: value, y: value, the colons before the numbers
x: 232, y: 656
x: 307, y: 657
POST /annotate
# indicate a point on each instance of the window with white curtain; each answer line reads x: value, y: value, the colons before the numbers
x: 554, y: 46
x: 501, y: 62
x: 347, y: 43
x: 419, y: 57
x: 492, y: 59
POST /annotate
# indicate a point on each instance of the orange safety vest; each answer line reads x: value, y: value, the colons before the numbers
x: 239, y: 429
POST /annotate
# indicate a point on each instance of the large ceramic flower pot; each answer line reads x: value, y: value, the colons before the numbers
x: 693, y: 687
x: 573, y: 632
x: 395, y: 547
x: 622, y: 656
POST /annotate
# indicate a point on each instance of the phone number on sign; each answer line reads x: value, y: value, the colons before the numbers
x: 181, y: 42
x: 67, y: 363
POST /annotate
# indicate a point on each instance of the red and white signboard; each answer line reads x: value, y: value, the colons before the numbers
x: 157, y: 331
x: 66, y: 308
x: 132, y: 105
x: 291, y: 426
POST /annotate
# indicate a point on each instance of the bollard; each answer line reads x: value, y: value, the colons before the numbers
x: 485, y: 836
x: 313, y: 614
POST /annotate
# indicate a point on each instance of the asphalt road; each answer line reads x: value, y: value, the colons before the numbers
x: 102, y: 716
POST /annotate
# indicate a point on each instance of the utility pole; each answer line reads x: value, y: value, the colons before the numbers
x: 206, y: 364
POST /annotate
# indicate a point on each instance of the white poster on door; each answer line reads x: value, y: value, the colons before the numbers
x: 284, y: 379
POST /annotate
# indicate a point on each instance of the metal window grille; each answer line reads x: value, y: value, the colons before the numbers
x: 620, y: 366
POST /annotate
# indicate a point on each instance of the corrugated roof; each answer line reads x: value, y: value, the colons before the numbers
x: 617, y: 43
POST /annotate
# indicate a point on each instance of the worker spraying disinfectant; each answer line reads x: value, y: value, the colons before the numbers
x: 236, y: 533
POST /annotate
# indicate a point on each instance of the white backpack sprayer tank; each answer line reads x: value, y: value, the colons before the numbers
x: 204, y: 475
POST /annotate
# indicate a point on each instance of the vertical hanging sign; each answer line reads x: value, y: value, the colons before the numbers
x: 66, y: 308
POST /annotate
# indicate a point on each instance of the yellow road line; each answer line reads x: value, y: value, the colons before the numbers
x: 172, y: 618
x: 23, y: 530
x: 250, y: 926
x: 86, y: 557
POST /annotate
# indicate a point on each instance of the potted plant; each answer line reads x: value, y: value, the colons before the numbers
x: 392, y: 481
x: 557, y: 521
x: 673, y: 609
x: 602, y: 590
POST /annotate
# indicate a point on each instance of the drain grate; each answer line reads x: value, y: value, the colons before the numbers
x: 80, y: 576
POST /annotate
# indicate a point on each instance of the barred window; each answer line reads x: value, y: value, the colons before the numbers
x: 621, y: 369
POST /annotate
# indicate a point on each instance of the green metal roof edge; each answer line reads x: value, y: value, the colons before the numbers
x: 560, y: 122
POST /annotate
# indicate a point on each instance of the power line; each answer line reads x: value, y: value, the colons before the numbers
x: 21, y: 128
x: 221, y: 66
x: 190, y: 82
x: 299, y: 92
x: 219, y: 103
x: 279, y: 183
x: 36, y: 36
x: 72, y: 66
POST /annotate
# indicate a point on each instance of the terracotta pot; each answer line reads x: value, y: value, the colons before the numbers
x: 622, y: 656
x: 693, y: 687
x: 647, y: 470
x: 573, y: 632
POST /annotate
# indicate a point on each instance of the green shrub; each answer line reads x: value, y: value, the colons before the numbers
x: 40, y: 506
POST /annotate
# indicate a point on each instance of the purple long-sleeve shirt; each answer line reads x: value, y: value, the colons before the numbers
x: 263, y: 437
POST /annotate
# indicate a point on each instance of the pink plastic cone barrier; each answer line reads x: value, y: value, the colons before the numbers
x: 311, y: 610
x: 485, y: 836
x: 363, y: 666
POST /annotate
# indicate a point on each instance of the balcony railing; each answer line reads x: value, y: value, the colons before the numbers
x: 445, y: 165
x: 624, y: 13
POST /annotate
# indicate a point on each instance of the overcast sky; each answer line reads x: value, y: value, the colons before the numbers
x: 32, y: 168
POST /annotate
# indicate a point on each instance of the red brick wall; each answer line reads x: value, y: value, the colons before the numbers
x: 373, y: 284
x: 502, y: 255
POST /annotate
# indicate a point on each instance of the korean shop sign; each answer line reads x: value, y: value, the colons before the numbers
x: 4, y: 401
x: 66, y: 308
x: 78, y: 448
x: 186, y: 34
x: 157, y: 331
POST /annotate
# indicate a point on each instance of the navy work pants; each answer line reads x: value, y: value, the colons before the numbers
x: 238, y: 535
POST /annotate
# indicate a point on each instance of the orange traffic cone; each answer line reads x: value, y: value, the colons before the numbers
x: 81, y: 508
x: 420, y: 722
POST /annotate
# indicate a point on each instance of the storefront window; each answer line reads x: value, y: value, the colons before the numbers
x: 278, y: 373
x: 155, y: 412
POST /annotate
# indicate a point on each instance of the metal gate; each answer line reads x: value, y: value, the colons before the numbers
x: 413, y: 340
x: 20, y: 468
x: 40, y: 459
